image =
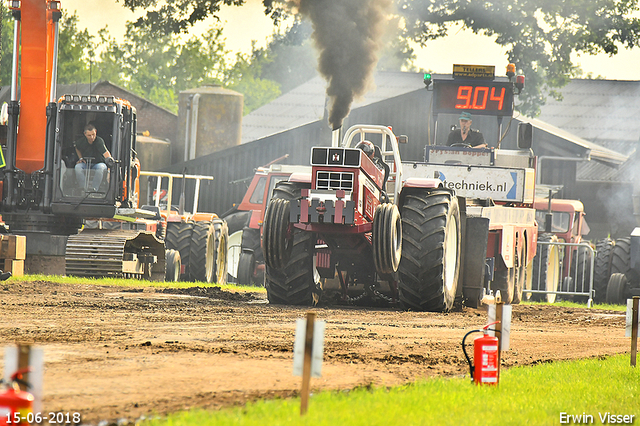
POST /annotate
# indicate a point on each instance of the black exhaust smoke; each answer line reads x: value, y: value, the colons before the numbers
x: 348, y: 36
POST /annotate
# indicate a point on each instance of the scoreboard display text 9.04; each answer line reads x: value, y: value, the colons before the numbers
x: 477, y: 97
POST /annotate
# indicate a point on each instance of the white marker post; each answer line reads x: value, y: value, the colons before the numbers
x: 501, y: 313
x: 307, y: 354
x: 631, y: 329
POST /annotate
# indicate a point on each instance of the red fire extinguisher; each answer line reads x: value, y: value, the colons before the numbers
x: 16, y: 405
x: 484, y: 369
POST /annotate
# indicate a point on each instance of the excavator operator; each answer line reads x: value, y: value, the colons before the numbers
x: 92, y: 153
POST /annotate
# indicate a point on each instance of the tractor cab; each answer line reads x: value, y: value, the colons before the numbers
x: 73, y: 188
x: 567, y: 219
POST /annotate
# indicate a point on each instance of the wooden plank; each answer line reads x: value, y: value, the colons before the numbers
x: 16, y: 267
x: 13, y: 246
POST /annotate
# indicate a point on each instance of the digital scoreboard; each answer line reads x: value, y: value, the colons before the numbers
x: 479, y: 97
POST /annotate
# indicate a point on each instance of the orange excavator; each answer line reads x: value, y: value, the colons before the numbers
x: 99, y: 229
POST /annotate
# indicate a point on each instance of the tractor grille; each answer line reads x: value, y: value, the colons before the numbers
x: 334, y: 180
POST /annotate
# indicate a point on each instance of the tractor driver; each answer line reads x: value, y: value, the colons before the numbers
x: 466, y: 135
x: 91, y: 150
x: 373, y: 152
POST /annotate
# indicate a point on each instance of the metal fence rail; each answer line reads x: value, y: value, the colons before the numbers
x: 577, y: 281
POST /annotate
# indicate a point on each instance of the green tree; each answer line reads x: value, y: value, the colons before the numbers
x: 244, y: 77
x: 289, y: 58
x: 540, y: 35
x: 176, y: 16
x: 74, y: 51
x: 158, y: 65
x: 6, y: 46
x: 74, y: 47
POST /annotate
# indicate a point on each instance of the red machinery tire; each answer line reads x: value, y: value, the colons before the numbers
x: 546, y: 269
x: 172, y: 265
x: 617, y: 289
x: 202, y: 254
x: 387, y: 238
x: 221, y: 251
x: 246, y: 267
x: 430, y: 264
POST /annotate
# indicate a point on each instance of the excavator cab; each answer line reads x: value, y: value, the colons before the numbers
x: 115, y: 122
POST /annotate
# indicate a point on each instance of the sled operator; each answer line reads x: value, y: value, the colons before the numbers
x: 465, y: 134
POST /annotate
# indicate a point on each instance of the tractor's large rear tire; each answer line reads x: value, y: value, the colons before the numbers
x: 179, y: 236
x: 387, y: 239
x: 546, y: 269
x: 621, y: 256
x: 602, y: 268
x: 430, y: 264
x: 293, y: 283
x: 277, y: 237
x: 202, y: 254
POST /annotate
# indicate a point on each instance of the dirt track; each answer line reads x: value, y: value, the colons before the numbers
x: 116, y: 353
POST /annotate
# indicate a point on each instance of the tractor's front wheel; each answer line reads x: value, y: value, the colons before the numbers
x: 387, y: 239
x: 288, y: 251
x: 430, y: 264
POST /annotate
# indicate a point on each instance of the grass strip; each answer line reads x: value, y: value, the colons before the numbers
x: 122, y: 282
x: 526, y: 396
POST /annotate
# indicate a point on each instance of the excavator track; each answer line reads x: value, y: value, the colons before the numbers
x: 115, y: 253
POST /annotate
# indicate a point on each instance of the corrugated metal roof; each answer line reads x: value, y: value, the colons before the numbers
x: 596, y: 151
x: 597, y: 172
x: 604, y: 112
x: 597, y: 109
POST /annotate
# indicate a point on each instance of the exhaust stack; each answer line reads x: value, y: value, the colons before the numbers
x: 335, y: 138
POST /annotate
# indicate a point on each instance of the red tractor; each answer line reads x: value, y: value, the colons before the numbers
x: 556, y: 267
x: 402, y: 245
x: 246, y: 262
